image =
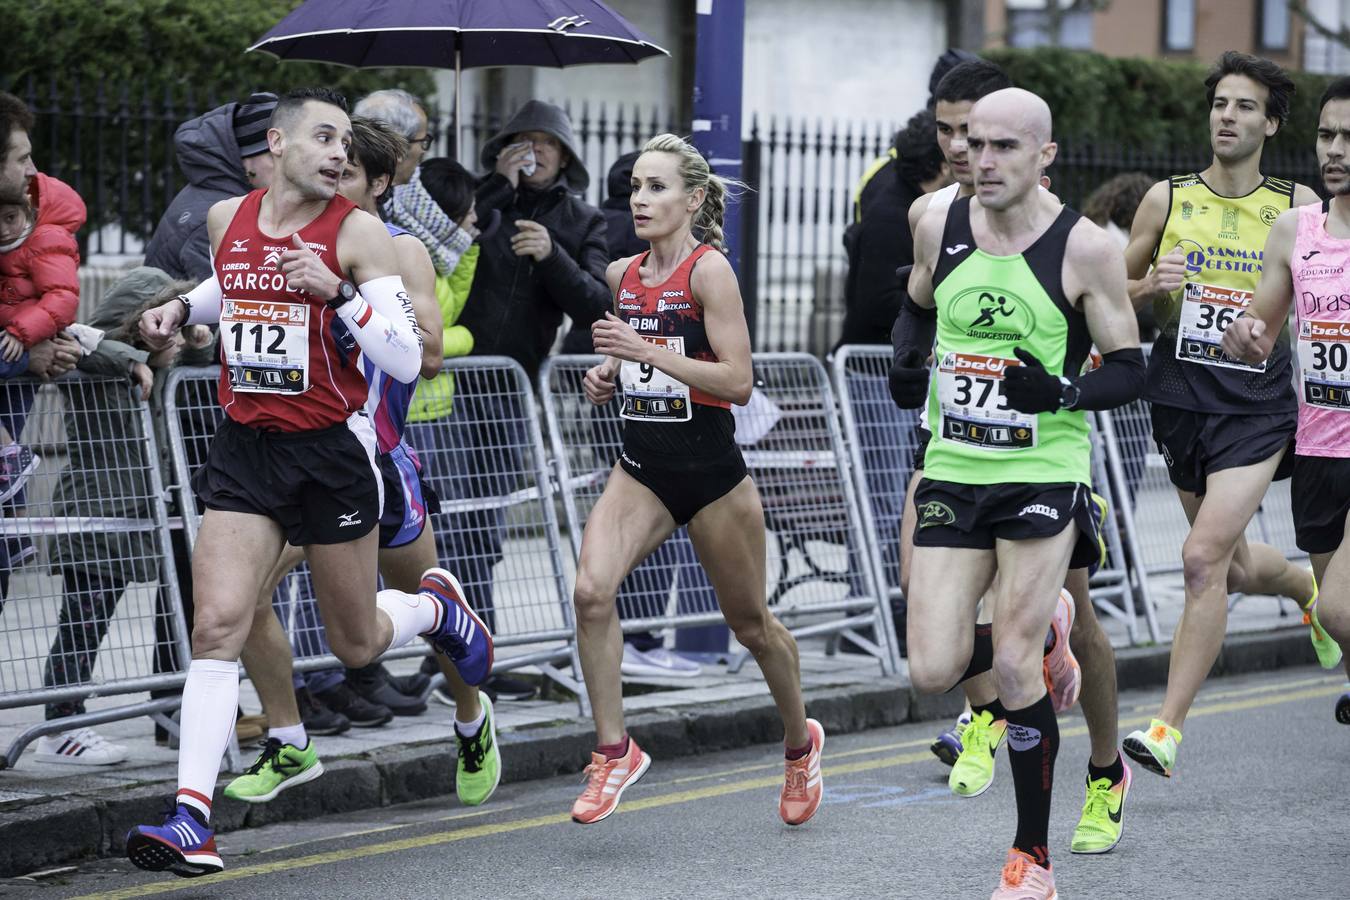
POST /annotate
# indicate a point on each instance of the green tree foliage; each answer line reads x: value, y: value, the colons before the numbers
x: 1146, y: 104
x: 110, y: 81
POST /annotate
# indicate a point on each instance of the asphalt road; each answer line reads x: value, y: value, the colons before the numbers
x: 1258, y: 810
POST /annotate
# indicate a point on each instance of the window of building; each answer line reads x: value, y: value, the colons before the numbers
x: 1178, y: 25
x: 1030, y: 24
x: 1321, y: 53
x: 1273, y: 26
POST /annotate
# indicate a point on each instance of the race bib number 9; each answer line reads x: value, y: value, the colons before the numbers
x: 1324, y: 363
x: 266, y: 345
x: 1206, y: 312
x: 650, y: 395
x: 973, y: 407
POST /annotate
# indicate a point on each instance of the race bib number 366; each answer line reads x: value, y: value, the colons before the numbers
x: 650, y: 395
x: 973, y: 407
x: 1206, y: 312
x: 266, y: 345
x: 1324, y: 363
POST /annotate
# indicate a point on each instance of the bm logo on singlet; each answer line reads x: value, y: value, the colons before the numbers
x: 992, y: 314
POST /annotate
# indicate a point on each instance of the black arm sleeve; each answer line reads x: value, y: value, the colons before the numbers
x: 1119, y: 380
x: 914, y: 330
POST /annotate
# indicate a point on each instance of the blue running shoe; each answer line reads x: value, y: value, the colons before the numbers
x: 462, y: 636
x: 948, y: 747
x: 182, y: 845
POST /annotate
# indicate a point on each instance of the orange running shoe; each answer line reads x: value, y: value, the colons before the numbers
x: 802, y: 788
x: 1063, y: 678
x: 1023, y: 879
x: 607, y: 779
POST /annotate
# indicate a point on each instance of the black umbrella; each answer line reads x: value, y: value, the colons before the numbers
x: 457, y: 34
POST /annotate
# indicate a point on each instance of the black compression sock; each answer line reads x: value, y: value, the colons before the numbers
x: 982, y: 656
x: 1115, y: 771
x: 1033, y: 743
x: 994, y: 708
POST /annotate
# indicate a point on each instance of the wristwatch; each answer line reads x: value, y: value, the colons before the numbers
x: 1068, y: 393
x: 346, y: 292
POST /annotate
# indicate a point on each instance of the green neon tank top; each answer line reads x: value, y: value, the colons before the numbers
x: 988, y: 306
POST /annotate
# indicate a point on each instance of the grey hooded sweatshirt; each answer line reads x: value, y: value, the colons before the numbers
x: 208, y: 154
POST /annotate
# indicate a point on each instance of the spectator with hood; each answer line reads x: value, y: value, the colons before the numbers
x: 224, y: 154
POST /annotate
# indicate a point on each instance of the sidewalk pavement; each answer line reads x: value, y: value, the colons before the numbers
x: 51, y: 814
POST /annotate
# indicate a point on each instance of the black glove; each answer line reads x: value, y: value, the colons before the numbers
x: 909, y: 379
x: 1029, y: 387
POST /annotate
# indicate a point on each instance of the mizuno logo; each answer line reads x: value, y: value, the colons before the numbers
x: 240, y: 246
x: 952, y: 251
x: 1310, y: 254
x: 345, y: 519
x: 562, y: 23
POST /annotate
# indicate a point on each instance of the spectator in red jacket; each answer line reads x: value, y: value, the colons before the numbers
x: 39, y: 264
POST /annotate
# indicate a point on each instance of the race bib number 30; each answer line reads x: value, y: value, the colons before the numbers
x: 266, y: 345
x: 1324, y: 363
x: 650, y: 395
x: 973, y: 407
x: 1206, y: 312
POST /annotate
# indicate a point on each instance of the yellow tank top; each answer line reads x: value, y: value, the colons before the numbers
x: 1222, y: 239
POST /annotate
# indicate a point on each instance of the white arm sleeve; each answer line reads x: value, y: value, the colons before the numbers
x: 381, y: 318
x: 204, y: 302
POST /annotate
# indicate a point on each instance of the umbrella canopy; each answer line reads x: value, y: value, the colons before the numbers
x: 455, y: 34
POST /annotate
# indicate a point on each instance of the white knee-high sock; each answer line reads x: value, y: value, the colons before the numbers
x: 210, y: 702
x: 412, y: 614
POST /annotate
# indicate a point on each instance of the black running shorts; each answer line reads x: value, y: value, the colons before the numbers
x: 321, y: 487
x: 1195, y: 445
x: 1320, y: 497
x: 974, y: 516
x: 685, y: 485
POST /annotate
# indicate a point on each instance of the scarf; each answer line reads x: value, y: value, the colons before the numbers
x: 415, y: 211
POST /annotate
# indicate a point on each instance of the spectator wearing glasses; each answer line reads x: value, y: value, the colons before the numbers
x: 405, y: 114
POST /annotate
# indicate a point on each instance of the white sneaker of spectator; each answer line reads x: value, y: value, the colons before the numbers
x: 658, y: 663
x: 82, y: 747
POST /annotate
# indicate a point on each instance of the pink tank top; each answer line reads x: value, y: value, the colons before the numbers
x: 1320, y: 266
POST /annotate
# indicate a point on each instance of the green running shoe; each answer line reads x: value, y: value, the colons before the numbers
x: 1101, y: 825
x: 1328, y: 651
x: 974, y: 769
x: 480, y: 762
x: 278, y: 768
x: 1156, y: 749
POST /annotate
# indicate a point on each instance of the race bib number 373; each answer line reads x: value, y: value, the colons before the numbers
x: 266, y: 345
x: 973, y: 407
x: 1206, y: 312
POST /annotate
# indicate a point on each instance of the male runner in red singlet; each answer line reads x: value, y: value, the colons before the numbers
x: 294, y: 459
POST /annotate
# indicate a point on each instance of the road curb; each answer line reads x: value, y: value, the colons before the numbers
x: 67, y: 829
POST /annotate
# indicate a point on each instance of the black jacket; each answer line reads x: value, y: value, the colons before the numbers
x: 622, y: 236
x: 516, y: 305
x: 208, y: 154
x: 878, y: 245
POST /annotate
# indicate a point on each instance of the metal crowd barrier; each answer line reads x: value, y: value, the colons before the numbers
x: 496, y: 530
x: 1160, y: 520
x: 881, y: 441
x: 819, y: 578
x: 91, y: 604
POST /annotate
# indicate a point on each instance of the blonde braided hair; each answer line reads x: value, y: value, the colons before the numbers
x: 694, y: 172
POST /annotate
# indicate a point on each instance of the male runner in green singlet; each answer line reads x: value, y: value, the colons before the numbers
x: 1007, y: 471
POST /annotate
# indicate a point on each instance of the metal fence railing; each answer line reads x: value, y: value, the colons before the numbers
x: 819, y: 578
x: 496, y: 528
x: 91, y: 601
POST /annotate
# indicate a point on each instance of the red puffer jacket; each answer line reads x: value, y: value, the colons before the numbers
x: 39, y: 281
